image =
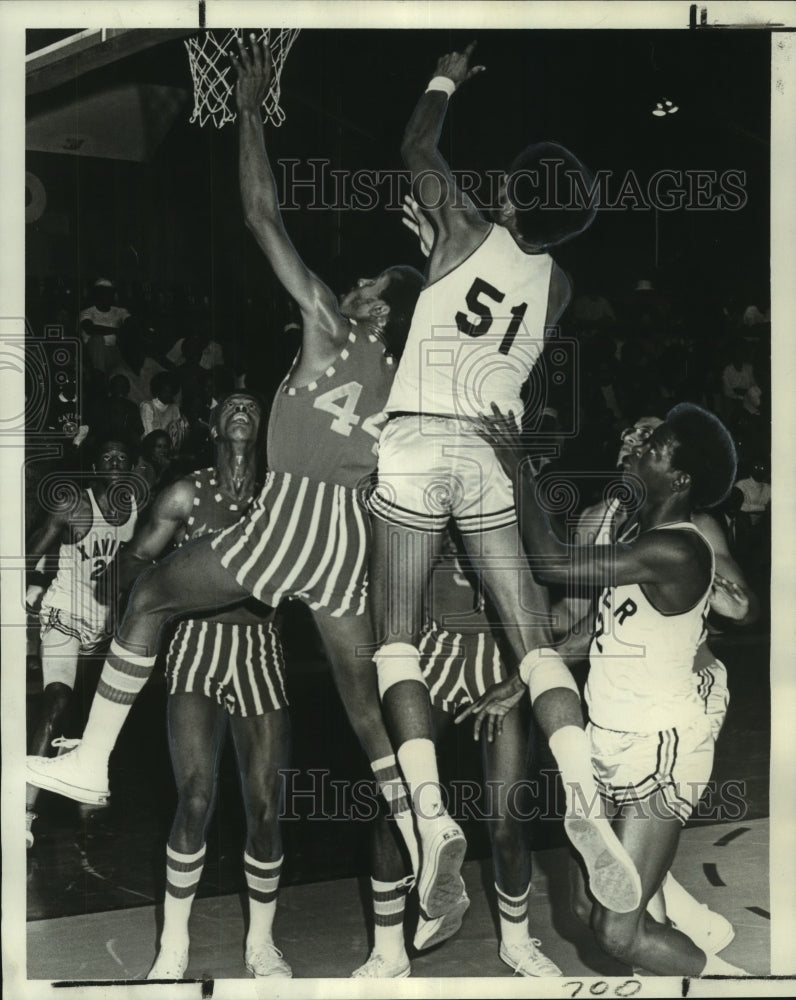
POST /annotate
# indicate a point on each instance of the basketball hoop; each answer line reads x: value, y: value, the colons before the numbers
x: 214, y: 77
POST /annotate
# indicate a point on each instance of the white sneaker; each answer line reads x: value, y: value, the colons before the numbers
x: 434, y: 931
x: 67, y: 775
x: 613, y: 878
x: 378, y: 967
x: 29, y: 818
x: 265, y: 961
x: 442, y: 848
x: 64, y: 744
x: 527, y: 960
x: 171, y: 963
x: 711, y: 931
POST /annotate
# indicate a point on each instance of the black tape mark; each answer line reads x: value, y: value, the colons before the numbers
x: 728, y: 837
x: 686, y: 982
x: 712, y: 873
x: 759, y: 911
x: 207, y: 989
x: 202, y: 22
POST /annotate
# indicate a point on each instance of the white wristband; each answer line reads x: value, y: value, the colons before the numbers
x: 443, y: 83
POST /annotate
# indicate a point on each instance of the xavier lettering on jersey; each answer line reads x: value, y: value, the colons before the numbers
x: 102, y: 548
x: 626, y: 609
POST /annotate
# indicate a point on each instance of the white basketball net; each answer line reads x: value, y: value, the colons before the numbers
x: 214, y: 76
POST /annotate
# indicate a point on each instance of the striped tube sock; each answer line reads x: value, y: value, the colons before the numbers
x: 389, y: 904
x: 513, y: 913
x: 123, y: 676
x: 391, y: 786
x: 183, y: 872
x: 262, y: 880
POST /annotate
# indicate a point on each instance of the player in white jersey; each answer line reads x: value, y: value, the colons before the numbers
x: 477, y: 331
x: 656, y: 595
x: 733, y: 600
x: 77, y: 612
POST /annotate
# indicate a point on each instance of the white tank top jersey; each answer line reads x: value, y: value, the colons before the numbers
x: 77, y: 587
x: 641, y: 677
x: 476, y: 333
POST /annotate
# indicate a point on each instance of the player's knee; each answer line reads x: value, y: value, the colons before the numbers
x: 149, y: 597
x: 195, y: 801
x: 616, y: 934
x: 397, y: 662
x: 543, y: 670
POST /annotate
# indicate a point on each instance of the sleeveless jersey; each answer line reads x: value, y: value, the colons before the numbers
x: 80, y: 585
x: 327, y: 430
x: 641, y: 659
x: 476, y: 333
x: 212, y: 510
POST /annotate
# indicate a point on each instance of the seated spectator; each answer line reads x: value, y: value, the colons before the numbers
x: 736, y: 378
x: 161, y: 412
x: 156, y: 460
x: 99, y: 326
x: 752, y: 427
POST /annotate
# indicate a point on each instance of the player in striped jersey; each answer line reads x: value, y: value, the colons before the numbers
x: 224, y: 670
x: 308, y: 533
x: 652, y: 610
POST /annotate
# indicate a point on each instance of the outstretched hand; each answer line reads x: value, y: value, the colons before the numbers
x: 496, y: 702
x: 456, y: 66
x: 415, y: 218
x: 728, y: 599
x: 254, y: 68
x: 501, y: 432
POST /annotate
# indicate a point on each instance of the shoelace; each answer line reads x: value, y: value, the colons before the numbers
x: 63, y: 743
x: 539, y: 957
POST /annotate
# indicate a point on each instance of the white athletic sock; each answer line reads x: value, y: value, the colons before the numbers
x: 513, y: 913
x: 418, y: 761
x: 715, y: 966
x: 183, y: 872
x: 123, y: 676
x: 389, y: 904
x: 262, y: 881
x: 392, y: 787
x: 571, y: 748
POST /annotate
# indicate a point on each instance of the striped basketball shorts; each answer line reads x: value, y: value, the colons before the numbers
x: 632, y: 767
x: 301, y: 539
x: 91, y: 636
x: 239, y: 666
x: 458, y: 667
x: 434, y: 468
x: 715, y: 694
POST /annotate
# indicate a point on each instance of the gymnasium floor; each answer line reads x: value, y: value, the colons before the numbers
x: 95, y: 880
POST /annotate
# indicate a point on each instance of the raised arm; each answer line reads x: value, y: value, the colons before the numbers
x: 457, y: 222
x: 318, y: 305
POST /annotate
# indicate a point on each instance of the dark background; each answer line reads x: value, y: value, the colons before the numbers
x: 175, y: 219
x: 347, y: 96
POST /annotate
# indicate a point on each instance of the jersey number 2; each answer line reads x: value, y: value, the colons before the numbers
x: 479, y: 290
